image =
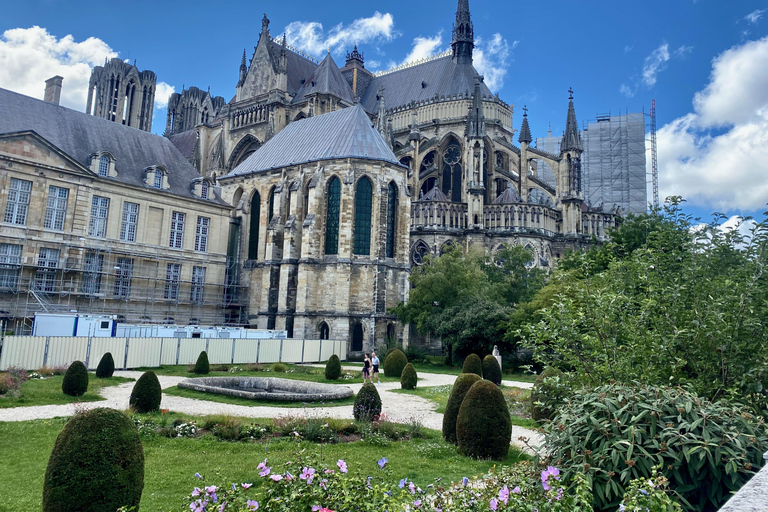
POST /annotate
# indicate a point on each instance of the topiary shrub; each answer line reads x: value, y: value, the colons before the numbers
x: 550, y: 391
x: 460, y: 388
x: 491, y: 369
x: 483, y: 427
x: 618, y: 433
x: 389, y: 351
x: 97, y: 464
x: 367, y: 403
x: 75, y: 381
x: 333, y: 368
x: 201, y: 366
x: 394, y: 364
x: 473, y: 364
x: 106, y: 366
x: 146, y: 394
x: 408, y: 378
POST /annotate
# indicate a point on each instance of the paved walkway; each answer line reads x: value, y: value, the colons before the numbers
x: 396, y: 406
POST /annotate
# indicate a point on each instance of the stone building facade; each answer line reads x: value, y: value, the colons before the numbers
x: 119, y: 92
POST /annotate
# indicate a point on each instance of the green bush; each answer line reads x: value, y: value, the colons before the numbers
x: 279, y: 367
x: 75, y: 381
x: 483, y: 427
x: 550, y: 391
x: 394, y: 364
x: 491, y: 369
x: 460, y: 388
x: 473, y: 364
x: 97, y: 464
x: 201, y: 366
x: 106, y: 366
x: 367, y: 403
x: 619, y: 433
x: 408, y: 378
x: 146, y: 394
x: 389, y: 351
x: 333, y: 368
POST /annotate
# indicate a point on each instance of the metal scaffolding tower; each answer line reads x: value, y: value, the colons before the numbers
x: 654, y: 164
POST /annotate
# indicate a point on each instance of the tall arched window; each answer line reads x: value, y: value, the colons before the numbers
x: 357, y: 338
x: 452, y: 172
x: 363, y: 207
x: 325, y: 331
x: 271, y: 207
x: 253, y: 236
x: 332, y: 216
x: 391, y: 219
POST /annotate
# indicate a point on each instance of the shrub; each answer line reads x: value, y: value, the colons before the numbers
x: 473, y: 364
x: 491, y: 369
x: 618, y: 433
x: 279, y: 368
x: 75, y: 381
x: 146, y: 394
x: 394, y: 364
x: 417, y: 354
x: 408, y: 378
x: 219, y: 368
x: 367, y: 403
x: 483, y: 427
x: 333, y: 368
x: 97, y: 464
x: 389, y: 351
x: 106, y: 366
x: 460, y: 388
x: 201, y: 366
x: 228, y: 429
x: 6, y: 385
x: 550, y: 391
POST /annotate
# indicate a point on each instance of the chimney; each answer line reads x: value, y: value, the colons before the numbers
x: 53, y: 89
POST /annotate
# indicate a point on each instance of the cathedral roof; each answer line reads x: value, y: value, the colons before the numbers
x: 298, y: 67
x: 345, y: 133
x: 327, y: 79
x: 434, y: 195
x: 185, y: 142
x: 508, y: 196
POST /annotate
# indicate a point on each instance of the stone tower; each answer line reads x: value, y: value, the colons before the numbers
x: 463, y: 35
x: 119, y: 92
x: 569, y: 179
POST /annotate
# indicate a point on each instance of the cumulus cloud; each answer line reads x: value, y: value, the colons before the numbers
x: 656, y: 62
x: 425, y: 47
x: 310, y: 36
x: 29, y: 56
x: 163, y: 93
x: 754, y: 16
x: 492, y: 59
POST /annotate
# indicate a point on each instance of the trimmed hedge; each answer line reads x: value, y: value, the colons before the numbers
x: 460, y: 388
x: 367, y: 403
x: 333, y: 368
x: 389, y: 351
x: 75, y: 381
x: 483, y: 427
x: 408, y: 378
x: 473, y: 364
x: 549, y: 392
x: 491, y: 369
x: 146, y: 394
x: 201, y: 366
x: 106, y: 366
x: 97, y: 464
x: 394, y: 363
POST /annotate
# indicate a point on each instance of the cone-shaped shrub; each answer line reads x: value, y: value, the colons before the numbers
x: 473, y: 364
x: 75, y: 381
x: 97, y: 464
x: 106, y: 366
x: 394, y: 364
x: 201, y: 366
x: 333, y: 368
x: 408, y: 378
x: 483, y: 428
x: 367, y: 403
x: 491, y: 369
x: 460, y: 388
x: 548, y: 393
x: 147, y: 393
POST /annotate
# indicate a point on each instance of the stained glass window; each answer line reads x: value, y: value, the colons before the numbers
x: 332, y: 223
x: 391, y: 219
x: 253, y: 236
x: 363, y: 200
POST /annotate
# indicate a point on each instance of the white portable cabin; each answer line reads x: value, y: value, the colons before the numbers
x: 73, y: 324
x: 194, y: 331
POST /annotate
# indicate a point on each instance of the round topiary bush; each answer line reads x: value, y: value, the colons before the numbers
x: 408, y: 378
x: 550, y: 390
x: 367, y: 403
x: 201, y: 366
x: 491, y: 369
x: 333, y: 368
x: 483, y: 427
x: 75, y: 381
x: 106, y: 366
x: 394, y: 364
x: 147, y: 393
x: 389, y: 351
x: 473, y: 364
x: 97, y: 464
x: 460, y: 388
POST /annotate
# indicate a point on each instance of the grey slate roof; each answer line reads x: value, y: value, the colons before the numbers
x: 79, y: 135
x: 185, y: 142
x: 327, y: 79
x: 508, y: 196
x: 442, y: 77
x: 298, y: 67
x: 345, y: 133
x: 434, y: 195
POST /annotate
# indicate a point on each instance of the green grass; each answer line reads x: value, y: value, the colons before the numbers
x: 172, y: 463
x: 435, y: 367
x: 48, y: 392
x: 224, y: 399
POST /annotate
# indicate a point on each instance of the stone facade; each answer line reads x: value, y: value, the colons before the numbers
x: 119, y: 92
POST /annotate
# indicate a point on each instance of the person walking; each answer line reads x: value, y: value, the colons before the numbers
x: 375, y: 362
x: 367, y: 369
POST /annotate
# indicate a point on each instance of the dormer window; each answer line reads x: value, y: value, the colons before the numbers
x: 158, y: 178
x: 104, y: 165
x: 201, y: 187
x: 204, y: 190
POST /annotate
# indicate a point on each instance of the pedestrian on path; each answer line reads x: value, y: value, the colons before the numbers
x: 367, y: 369
x: 375, y: 362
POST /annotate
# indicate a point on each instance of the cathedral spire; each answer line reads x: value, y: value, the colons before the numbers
x: 381, y: 119
x: 463, y: 35
x: 571, y: 138
x: 264, y: 27
x: 476, y: 118
x: 243, y: 70
x: 525, y: 130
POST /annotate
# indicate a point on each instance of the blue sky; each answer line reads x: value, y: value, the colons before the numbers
x: 705, y: 62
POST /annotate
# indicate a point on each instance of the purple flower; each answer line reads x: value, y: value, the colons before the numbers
x: 307, y: 474
x: 644, y: 491
x: 494, y: 504
x: 504, y: 494
x: 223, y: 504
x: 210, y: 490
x: 315, y: 508
x: 622, y: 508
x: 197, y: 491
x: 288, y: 476
x: 464, y: 481
x: 197, y: 506
x: 246, y: 486
x: 412, y: 488
x: 547, y: 474
x: 252, y: 504
x: 417, y: 503
x: 234, y: 487
x: 276, y: 478
x: 403, y: 482
x: 382, y: 462
x: 516, y: 490
x: 342, y: 466
x: 198, y: 476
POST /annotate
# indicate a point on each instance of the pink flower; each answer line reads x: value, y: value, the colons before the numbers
x: 550, y: 472
x: 494, y: 504
x: 246, y: 486
x: 504, y: 494
x: 252, y: 505
x: 342, y: 466
x: 197, y: 491
x: 516, y: 490
x: 276, y: 478
x: 307, y: 474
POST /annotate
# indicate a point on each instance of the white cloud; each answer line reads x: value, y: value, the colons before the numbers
x: 425, y: 47
x: 754, y: 16
x: 492, y: 60
x: 310, y: 36
x: 654, y: 63
x: 163, y: 93
x: 627, y: 90
x: 29, y: 56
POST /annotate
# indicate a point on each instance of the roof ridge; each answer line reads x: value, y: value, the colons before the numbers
x: 413, y: 63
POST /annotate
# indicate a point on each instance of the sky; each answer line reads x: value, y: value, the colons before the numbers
x: 705, y: 62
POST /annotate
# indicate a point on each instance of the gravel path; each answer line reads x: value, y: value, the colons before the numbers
x: 396, y: 406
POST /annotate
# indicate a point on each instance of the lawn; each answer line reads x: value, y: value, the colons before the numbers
x: 199, y: 395
x: 48, y: 392
x: 435, y: 367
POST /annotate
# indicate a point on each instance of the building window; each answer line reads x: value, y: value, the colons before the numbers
x: 98, y: 224
x: 92, y: 268
x: 158, y: 178
x: 325, y: 331
x: 452, y: 172
x: 363, y: 200
x: 177, y: 230
x: 201, y: 234
x: 198, y: 283
x: 18, y: 201
x: 47, y: 263
x: 104, y: 165
x: 391, y: 219
x: 271, y: 208
x: 130, y: 221
x: 56, y: 211
x: 332, y: 223
x: 204, y: 190
x: 10, y: 266
x: 253, y: 232
x: 123, y: 274
x: 172, y: 278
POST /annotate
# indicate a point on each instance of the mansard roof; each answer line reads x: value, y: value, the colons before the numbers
x: 345, y: 133
x: 185, y: 142
x: 298, y: 67
x: 326, y: 79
